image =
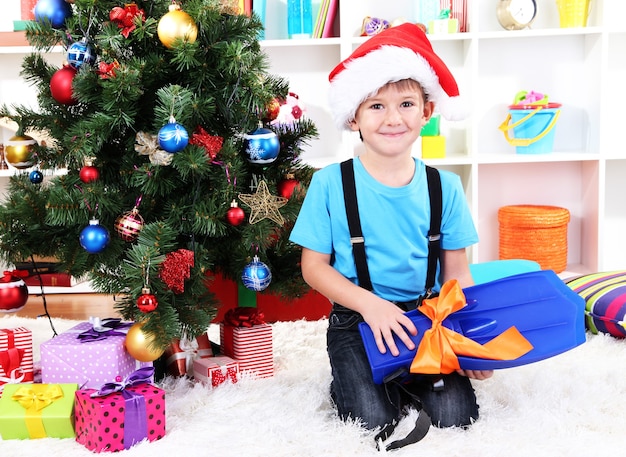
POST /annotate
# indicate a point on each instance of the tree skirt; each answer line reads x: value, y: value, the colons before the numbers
x: 570, y: 405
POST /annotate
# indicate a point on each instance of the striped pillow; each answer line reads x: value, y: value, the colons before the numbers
x: 605, y: 301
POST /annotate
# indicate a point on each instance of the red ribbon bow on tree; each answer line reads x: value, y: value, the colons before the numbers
x: 14, y: 275
x: 107, y: 70
x: 125, y: 17
x: 244, y: 317
x: 211, y: 144
x: 176, y: 268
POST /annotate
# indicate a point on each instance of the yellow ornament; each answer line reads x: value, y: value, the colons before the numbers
x: 19, y: 151
x: 176, y: 25
x: 139, y: 344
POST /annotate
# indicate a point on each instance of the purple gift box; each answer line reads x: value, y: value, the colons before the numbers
x: 89, y: 354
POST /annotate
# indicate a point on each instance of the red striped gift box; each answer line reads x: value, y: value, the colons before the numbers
x: 251, y: 347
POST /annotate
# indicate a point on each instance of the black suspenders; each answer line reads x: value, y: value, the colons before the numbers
x: 356, y: 235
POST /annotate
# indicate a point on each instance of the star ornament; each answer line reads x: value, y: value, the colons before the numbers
x: 264, y: 205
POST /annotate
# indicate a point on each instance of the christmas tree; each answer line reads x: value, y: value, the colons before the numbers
x: 174, y: 166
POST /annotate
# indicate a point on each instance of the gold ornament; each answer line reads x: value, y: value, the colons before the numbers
x: 139, y: 344
x: 19, y: 151
x: 176, y: 24
x: 264, y: 205
x: 148, y: 145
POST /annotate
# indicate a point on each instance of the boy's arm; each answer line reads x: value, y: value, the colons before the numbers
x: 383, y: 317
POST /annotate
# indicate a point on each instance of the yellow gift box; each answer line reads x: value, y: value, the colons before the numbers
x: 29, y: 411
x: 433, y: 147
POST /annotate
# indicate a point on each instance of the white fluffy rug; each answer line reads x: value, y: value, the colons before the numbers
x: 571, y: 405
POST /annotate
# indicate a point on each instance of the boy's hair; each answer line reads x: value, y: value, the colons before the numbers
x: 401, y: 52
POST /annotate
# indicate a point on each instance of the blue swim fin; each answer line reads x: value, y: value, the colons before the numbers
x: 539, y: 304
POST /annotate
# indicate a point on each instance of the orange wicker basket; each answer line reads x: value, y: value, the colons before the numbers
x: 535, y: 232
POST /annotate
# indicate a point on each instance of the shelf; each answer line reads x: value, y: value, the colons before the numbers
x: 12, y: 39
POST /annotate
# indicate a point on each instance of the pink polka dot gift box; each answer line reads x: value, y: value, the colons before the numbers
x: 120, y: 414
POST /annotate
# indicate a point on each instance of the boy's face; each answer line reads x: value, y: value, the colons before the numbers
x: 391, y: 120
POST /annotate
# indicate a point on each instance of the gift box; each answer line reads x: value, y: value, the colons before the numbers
x: 247, y: 339
x: 504, y: 323
x: 181, y: 354
x: 16, y: 356
x: 443, y: 26
x: 120, y: 414
x: 87, y: 354
x: 433, y: 147
x: 30, y: 411
x: 216, y: 370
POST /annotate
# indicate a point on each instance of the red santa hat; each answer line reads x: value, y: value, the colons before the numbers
x: 401, y: 52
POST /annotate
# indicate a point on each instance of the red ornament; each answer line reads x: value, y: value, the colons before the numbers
x: 287, y: 186
x: 61, y: 85
x: 147, y: 302
x: 235, y: 215
x: 89, y: 174
x: 13, y: 291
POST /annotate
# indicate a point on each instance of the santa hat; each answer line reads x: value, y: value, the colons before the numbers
x: 401, y: 52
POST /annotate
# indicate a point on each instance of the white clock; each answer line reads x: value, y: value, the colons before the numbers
x: 516, y: 14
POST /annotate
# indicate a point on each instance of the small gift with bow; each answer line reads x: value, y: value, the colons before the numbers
x: 89, y: 354
x: 181, y: 354
x: 504, y: 323
x: 445, y: 23
x: 247, y: 338
x: 120, y: 414
x: 30, y: 411
x: 16, y: 356
x: 216, y: 370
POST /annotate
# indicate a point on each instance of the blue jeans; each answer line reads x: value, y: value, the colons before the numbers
x: 357, y: 396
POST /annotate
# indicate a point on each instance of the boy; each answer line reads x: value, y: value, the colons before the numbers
x: 387, y: 90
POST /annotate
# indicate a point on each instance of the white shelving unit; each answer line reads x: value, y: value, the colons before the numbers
x: 582, y: 68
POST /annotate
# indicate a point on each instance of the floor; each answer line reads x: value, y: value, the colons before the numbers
x: 70, y: 306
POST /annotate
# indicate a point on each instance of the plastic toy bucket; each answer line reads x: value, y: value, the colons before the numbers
x: 533, y: 127
x: 573, y: 13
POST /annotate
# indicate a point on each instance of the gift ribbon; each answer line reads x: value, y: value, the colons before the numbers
x: 102, y: 329
x: 34, y: 399
x: 11, y: 361
x: 438, y: 350
x: 14, y: 275
x: 244, y: 317
x: 135, y: 421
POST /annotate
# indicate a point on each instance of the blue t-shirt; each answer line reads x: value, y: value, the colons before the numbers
x: 395, y: 223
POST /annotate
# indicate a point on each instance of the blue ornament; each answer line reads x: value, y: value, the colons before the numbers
x: 81, y: 52
x: 55, y: 11
x: 94, y: 238
x: 256, y: 275
x: 261, y: 146
x: 36, y: 177
x: 173, y: 137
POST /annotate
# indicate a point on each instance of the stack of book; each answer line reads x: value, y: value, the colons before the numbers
x: 47, y: 274
x: 325, y: 21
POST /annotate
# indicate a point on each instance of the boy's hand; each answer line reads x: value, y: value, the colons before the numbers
x: 386, y: 319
